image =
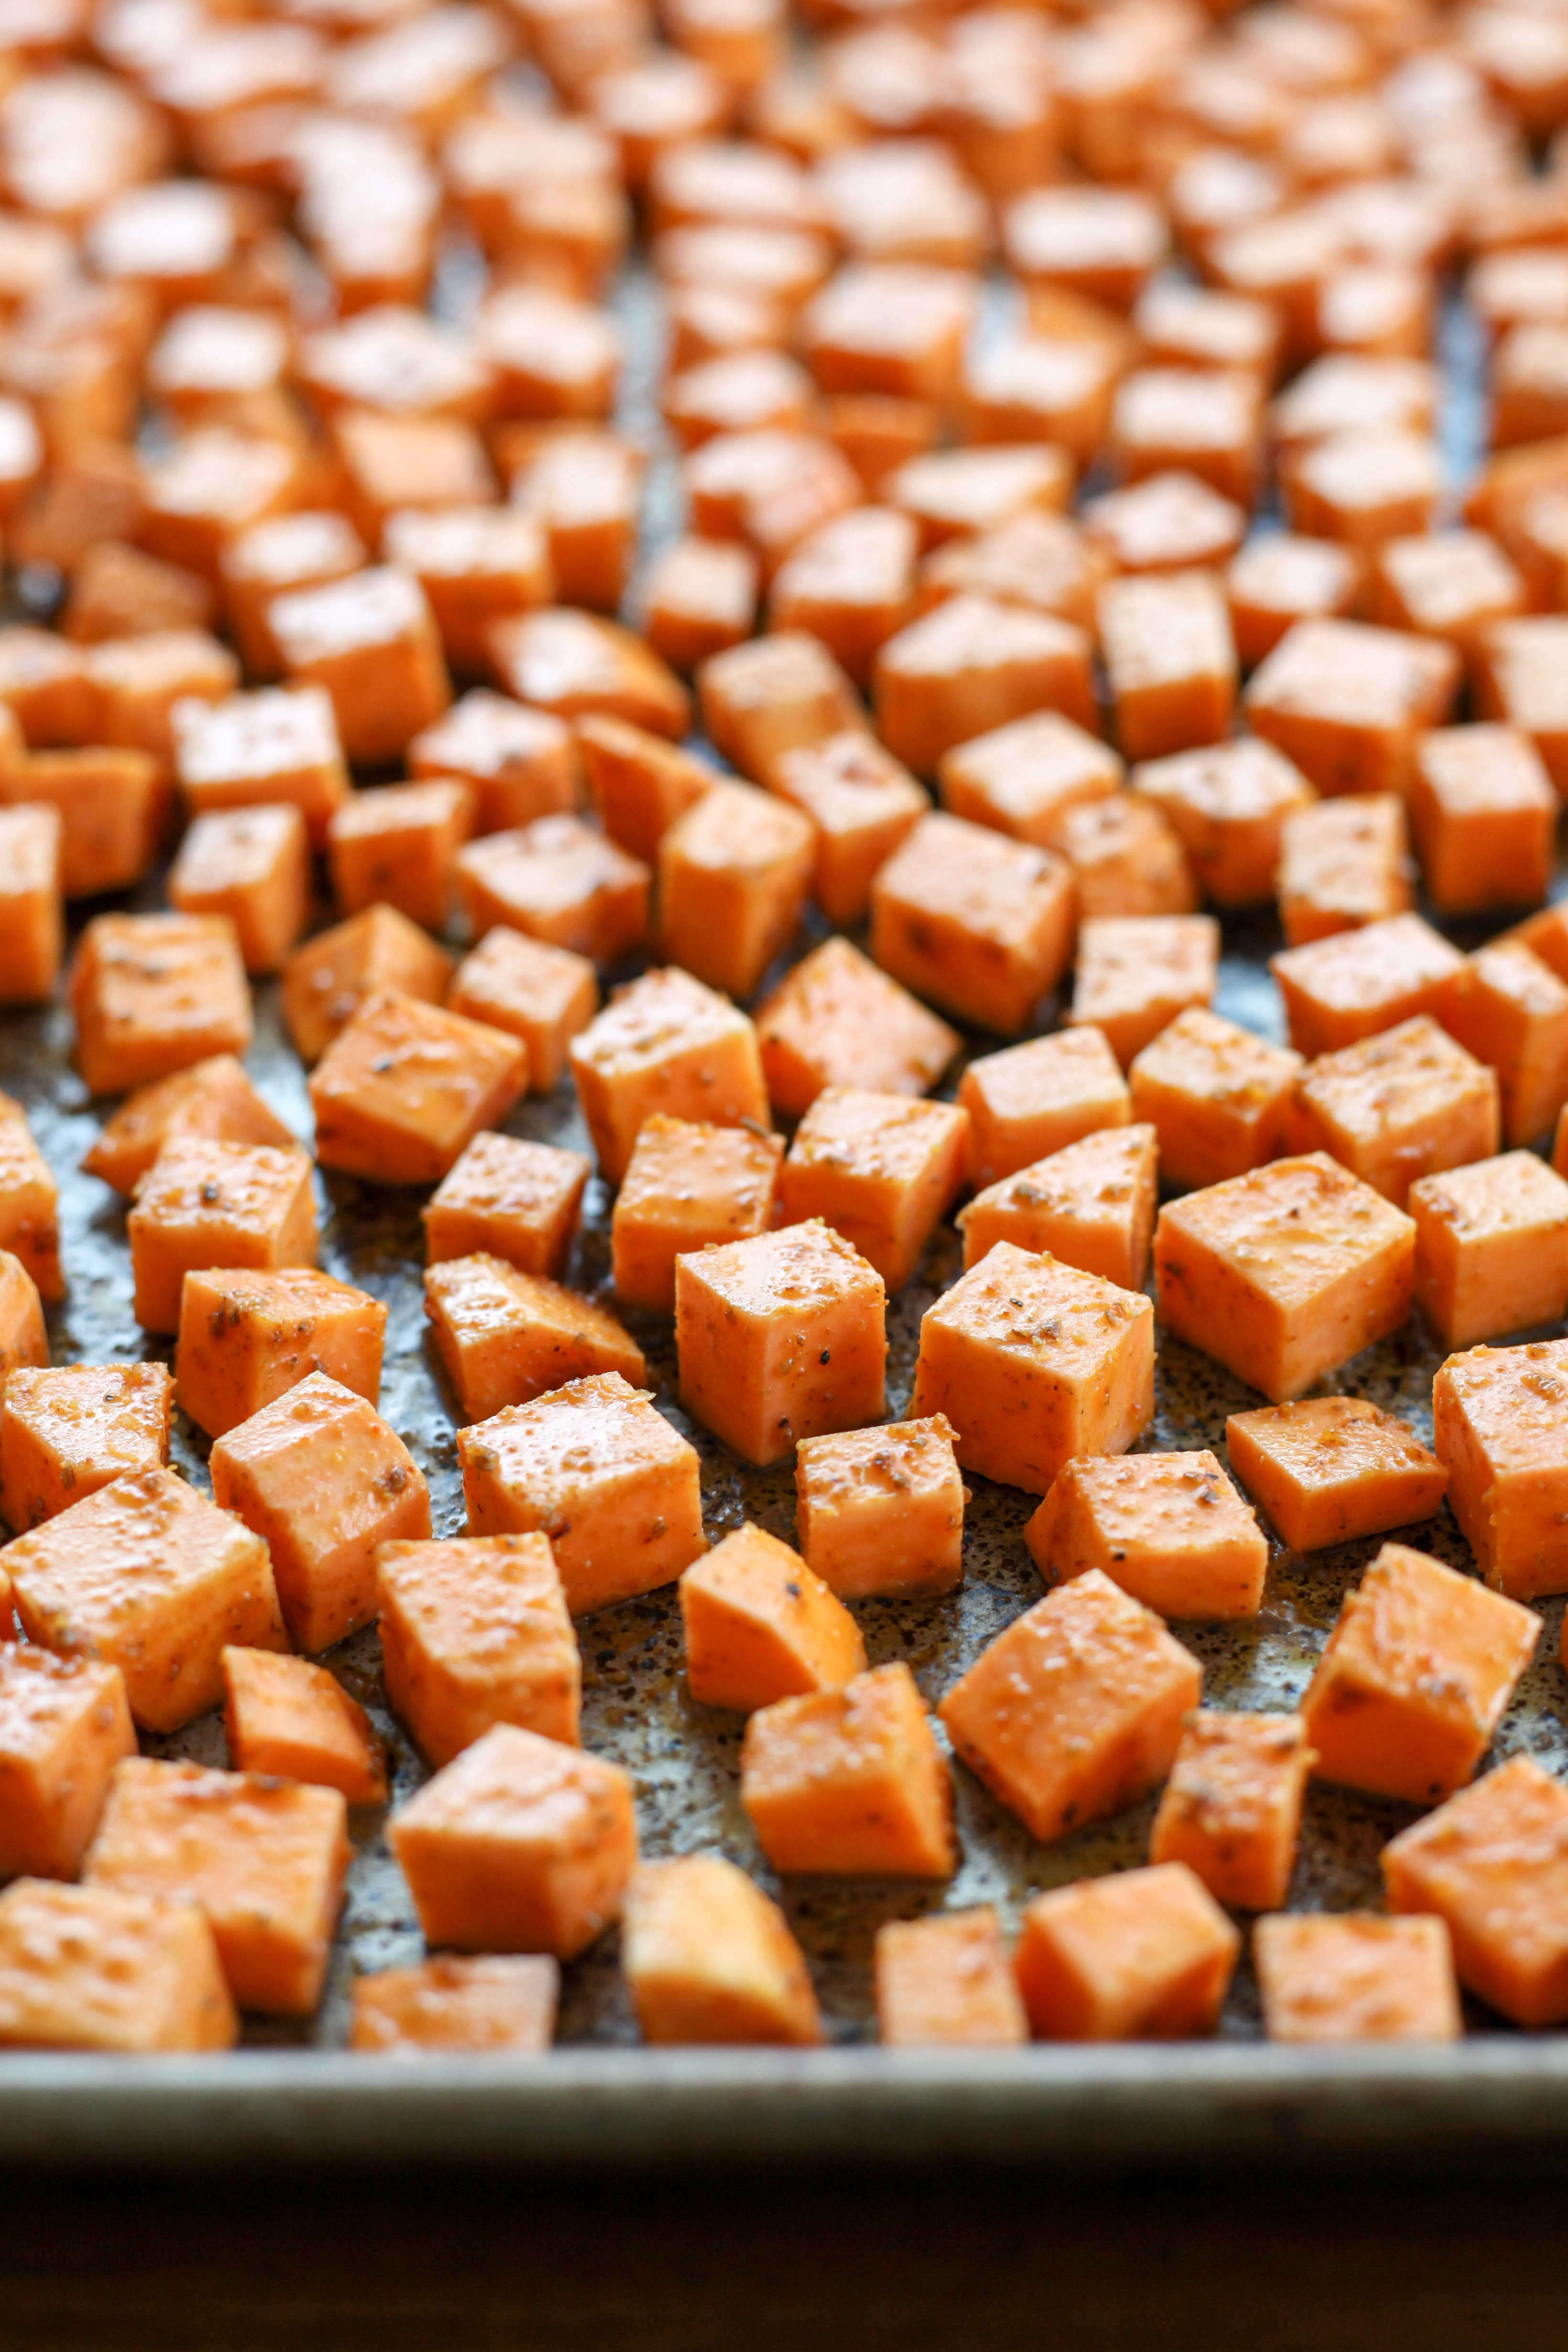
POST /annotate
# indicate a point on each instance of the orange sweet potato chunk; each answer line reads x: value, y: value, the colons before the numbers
x: 556, y: 880
x: 1326, y: 1470
x: 519, y: 1845
x: 880, y: 1170
x: 1219, y: 1098
x: 495, y: 2003
x: 1229, y: 805
x: 849, y: 1782
x: 1030, y: 1101
x: 862, y: 803
x: 1492, y: 1863
x: 1343, y: 862
x: 1413, y: 1683
x: 668, y: 1044
x: 708, y: 1959
x: 1499, y: 1415
x: 881, y: 1510
x: 836, y: 1019
x: 734, y: 874
x: 151, y: 993
x: 1076, y: 1710
x: 264, y: 1859
x: 946, y: 1978
x: 213, y: 1100
x: 686, y: 1186
x: 475, y: 1632
x: 247, y: 1337
x: 1355, y: 984
x: 1232, y: 1807
x: 504, y: 1337
x: 1169, y: 1529
x: 760, y: 1626
x: 327, y: 979
x: 1136, y: 972
x: 1511, y: 1010
x: 23, y: 1338
x: 511, y: 1199
x: 68, y: 1429
x: 543, y: 994
x: 1407, y: 1103
x: 1091, y: 1205
x: 211, y: 1205
x: 1357, y: 1977
x: 639, y: 783
x: 64, y: 1726
x: 292, y: 1721
x: 979, y: 924
x: 1141, y: 1954
x: 1491, y: 1248
x: 404, y: 1088
x: 85, y: 1967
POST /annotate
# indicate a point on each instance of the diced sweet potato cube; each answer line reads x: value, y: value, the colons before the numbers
x: 1033, y: 1361
x: 685, y: 1186
x: 1407, y: 1103
x: 29, y: 1202
x: 246, y: 1339
x: 836, y: 1019
x: 946, y: 1978
x: 708, y: 1959
x: 639, y: 782
x: 23, y: 1338
x: 518, y: 1844
x: 147, y: 1575
x: 325, y: 980
x: 1025, y: 777
x: 1170, y: 661
x: 1327, y: 1470
x: 1519, y: 681
x: 305, y: 549
x: 31, y: 926
x: 881, y: 1510
x: 1231, y: 1810
x: 1090, y: 1204
x: 68, y: 1430
x: 980, y: 924
x: 849, y: 583
x: 1285, y: 1272
x: 518, y: 763
x: 861, y: 803
x: 264, y: 1858
x: 952, y: 493
x: 139, y: 683
x: 894, y: 328
x: 1168, y: 522
x: 1413, y: 1681
x: 1491, y: 1248
x: 1363, y: 486
x: 1343, y: 862
x: 598, y: 1471
x: 1103, y: 242
x: 1346, y: 702
x: 1445, y: 584
x: 1125, y: 860
x: 253, y: 866
x: 880, y: 1169
x: 510, y: 1198
x: 110, y: 805
x: 773, y: 695
x: 1169, y: 1529
x: 1228, y: 808
x: 1278, y: 579
x: 1498, y: 1417
x: 1357, y: 1977
x: 699, y: 597
x: 544, y: 996
x: 371, y: 642
x: 495, y: 2003
x: 1075, y: 1711
x: 759, y: 1625
x: 1207, y: 420
x: 585, y: 488
x: 398, y: 846
x: 1036, y: 559
x: 253, y: 749
x: 1136, y: 972
x: 576, y: 664
x: 1484, y: 815
x: 212, y: 1204
x: 970, y: 664
x: 64, y: 1726
x: 1511, y: 1011
x: 665, y: 1043
x: 1032, y: 1100
x: 733, y: 874
x: 1218, y: 1098
x: 1357, y: 983
x: 1141, y: 1954
x: 849, y: 1782
x: 1492, y: 1863
x: 768, y: 488
x: 475, y: 1632
x: 504, y: 1337
x: 476, y: 563
x: 152, y: 994
x: 556, y: 880
x: 293, y: 1721
x: 85, y: 1967
x: 404, y: 1088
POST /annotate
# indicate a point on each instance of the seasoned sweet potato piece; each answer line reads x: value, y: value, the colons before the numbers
x: 504, y: 1337
x: 66, y: 1431
x: 687, y: 1185
x: 1490, y: 1864
x: 495, y: 2003
x: 639, y: 783
x: 139, y: 683
x: 946, y: 1978
x: 880, y: 1169
x: 110, y: 806
x: 1347, y: 701
x: 979, y: 924
x: 1363, y: 486
x: 541, y: 995
x: 1228, y: 808
x: 1168, y: 522
x: 510, y: 1198
x: 1141, y: 1954
x: 397, y: 846
x: 1445, y: 584
x: 737, y: 392
x: 558, y: 881
x: 1511, y: 1011
x: 1356, y: 1977
x: 1326, y: 1470
x: 1356, y: 984
x: 476, y: 563
x: 86, y: 1967
x: 1103, y: 242
x: 266, y: 559
x: 861, y: 803
x: 665, y: 1043
x: 1498, y: 1417
x: 475, y: 1632
x: 1232, y: 1807
x: 734, y: 873
x: 32, y: 940
x: 759, y: 1625
x: 1407, y: 1103
x: 893, y: 329
x: 1491, y: 1248
x: 575, y: 665
x: 212, y: 1204
x: 519, y: 764
x: 252, y: 866
x: 849, y: 582
x: 326, y: 980
x: 1125, y: 860
x: 699, y: 595
x: 849, y: 1782
x: 708, y: 1959
x: 246, y: 1337
x: 1136, y: 972
x: 404, y: 1088
x: 1278, y: 579
x: 1026, y: 777
x: 293, y: 1721
x: 29, y: 1203
x: 1032, y: 1100
x: 254, y: 749
x: 1091, y: 1205
x: 1218, y: 1098
x: 953, y: 493
x: 836, y: 1019
x: 1170, y: 661
x: 64, y: 1726
x: 881, y: 1510
x: 1169, y: 1529
x: 970, y: 664
x: 1343, y: 862
x: 1519, y: 681
x: 371, y: 642
x: 1484, y: 815
x: 767, y: 489
x: 152, y: 994
x: 1207, y: 420
x: 23, y: 1338
x: 773, y: 695
x: 1039, y: 559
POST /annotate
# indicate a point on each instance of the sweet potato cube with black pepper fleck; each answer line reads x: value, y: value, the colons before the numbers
x: 880, y: 1169
x: 504, y: 1337
x: 1357, y: 1977
x: 970, y: 664
x: 1136, y: 972
x: 1499, y: 1419
x: 759, y: 1625
x: 639, y: 784
x: 862, y: 802
x: 665, y: 1043
x: 23, y: 1338
x: 1092, y: 1204
x: 881, y: 1510
x: 979, y: 924
x: 1406, y: 1104
x: 946, y: 1978
x: 397, y: 846
x: 1355, y: 984
x: 1490, y: 1864
x: 1219, y: 1098
x: 246, y: 1337
x: 1232, y: 1807
x: 685, y: 1186
x: 152, y: 994
x: 294, y: 1721
x: 1139, y: 1955
x: 1125, y: 860
x: 1278, y: 579
x: 512, y: 1199
x: 699, y: 598
x: 1326, y: 1470
x: 371, y: 643
x: 598, y: 1470
x: 542, y: 994
x: 850, y: 1782
x: 836, y: 1019
x: 475, y: 1632
x: 1347, y: 701
x: 559, y: 881
x: 734, y: 874
x: 709, y: 1958
x: 1169, y: 1529
x: 492, y: 2003
x: 1491, y: 1248
x: 1227, y: 805
x: 575, y: 664
x: 280, y: 744
x: 64, y: 1726
x: 1025, y: 777
x: 519, y: 764
x: 211, y: 1205
x: 1030, y: 1101
x: 325, y: 980
x: 1484, y: 815
x: 84, y: 1967
x: 772, y: 695
x: 405, y: 1087
x: 1170, y: 660
x: 1511, y: 1010
x: 1343, y: 862
x: 252, y: 864
x: 67, y: 1430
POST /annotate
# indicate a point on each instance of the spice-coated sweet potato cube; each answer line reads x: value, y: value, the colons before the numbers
x: 246, y: 1337
x: 1167, y: 522
x: 475, y: 1632
x: 1278, y: 579
x: 392, y: 467
x: 1169, y: 1529
x: 147, y: 1575
x: 1033, y: 1361
x: 64, y: 1726
x: 518, y: 763
x: 518, y: 1844
x: 971, y: 664
x: 322, y: 1479
x: 1511, y: 1011
x: 1326, y: 1470
x: 251, y: 751
x: 767, y: 487
x: 253, y: 865
x: 946, y: 1978
x: 598, y: 1471
x: 45, y: 684
x: 285, y: 1718
x: 264, y: 1858
x: 1139, y: 1955
x: 397, y: 846
x: 23, y: 1338
x: 981, y: 925
x: 1024, y: 778
x: 84, y: 1967
x: 1347, y: 701
x: 139, y: 683
x: 1492, y: 1865
x: 699, y: 597
x: 1228, y: 806
x: 708, y: 1959
x: 504, y: 1337
x: 850, y: 1782
x: 780, y: 1338
x: 1042, y: 561
x: 1125, y: 860
x: 1076, y: 1710
x: 476, y: 563
x: 371, y: 643
x: 685, y: 1186
x: 575, y: 665
x: 639, y: 782
x: 553, y: 357
x: 1498, y: 1421
x: 404, y: 1088
x: 772, y: 695
x: 1364, y: 486
x: 491, y: 2002
x: 1218, y: 1098
x: 29, y: 1202
x: 1207, y: 420
x: 733, y: 874
x: 325, y: 980
x: 953, y: 493
x: 1101, y: 242
x: 556, y: 880
x: 584, y: 488
x: 1410, y: 1102
x: 1414, y: 1678
x: 836, y: 1019
x: 67, y: 1430
x: 152, y: 994
x: 1356, y: 984
x: 665, y: 1043
x: 1519, y: 681
x: 1491, y: 1248
x: 1237, y: 1279
x: 881, y: 1510
x: 1484, y: 815
x: 850, y: 584
x: 32, y: 940
x: 760, y: 1625
x: 880, y: 1169
x: 1357, y: 1977
x: 1231, y: 1810
x: 111, y: 807
x: 861, y: 803
x: 212, y: 1204
x: 1030, y: 1101
x: 1445, y: 584
x: 542, y: 994
x: 1092, y: 1204
x: 265, y: 560
x: 1136, y: 972
x: 1170, y: 661
x: 1343, y: 862
x: 510, y: 1198
x: 891, y: 327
